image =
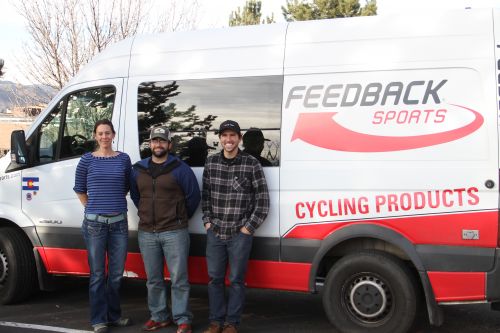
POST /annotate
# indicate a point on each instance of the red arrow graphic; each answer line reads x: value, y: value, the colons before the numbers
x: 321, y: 130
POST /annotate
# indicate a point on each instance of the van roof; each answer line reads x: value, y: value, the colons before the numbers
x: 259, y: 50
x: 166, y: 53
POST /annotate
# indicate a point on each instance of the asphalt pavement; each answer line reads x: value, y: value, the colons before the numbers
x: 66, y: 310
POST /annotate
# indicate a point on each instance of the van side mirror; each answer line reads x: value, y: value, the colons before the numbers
x: 18, y: 148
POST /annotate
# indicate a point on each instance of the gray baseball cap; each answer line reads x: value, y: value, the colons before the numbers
x: 161, y: 132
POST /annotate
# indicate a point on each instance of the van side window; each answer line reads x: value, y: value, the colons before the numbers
x: 83, y: 110
x: 49, y: 132
x: 66, y: 132
x: 194, y: 109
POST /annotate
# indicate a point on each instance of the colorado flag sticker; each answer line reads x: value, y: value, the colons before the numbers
x: 30, y: 183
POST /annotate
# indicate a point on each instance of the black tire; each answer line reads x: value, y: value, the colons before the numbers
x: 18, y: 277
x: 370, y: 292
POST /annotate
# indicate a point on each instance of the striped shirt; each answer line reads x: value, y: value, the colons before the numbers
x: 234, y: 194
x: 106, y: 181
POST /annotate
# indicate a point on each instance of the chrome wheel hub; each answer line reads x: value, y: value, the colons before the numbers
x: 368, y: 299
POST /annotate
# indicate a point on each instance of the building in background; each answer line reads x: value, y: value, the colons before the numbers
x: 17, y: 118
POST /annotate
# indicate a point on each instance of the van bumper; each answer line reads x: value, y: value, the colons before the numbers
x: 492, y: 280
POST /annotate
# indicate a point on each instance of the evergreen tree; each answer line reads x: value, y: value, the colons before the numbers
x: 156, y: 109
x: 250, y: 15
x: 299, y: 10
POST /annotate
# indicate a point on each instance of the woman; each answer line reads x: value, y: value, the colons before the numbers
x: 101, y: 184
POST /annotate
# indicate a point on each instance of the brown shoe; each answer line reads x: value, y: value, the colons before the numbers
x: 228, y: 328
x: 213, y: 328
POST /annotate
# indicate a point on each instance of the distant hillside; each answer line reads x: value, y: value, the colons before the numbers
x: 12, y: 94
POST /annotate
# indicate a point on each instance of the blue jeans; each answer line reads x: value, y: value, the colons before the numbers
x: 174, y: 247
x: 104, y: 239
x: 236, y: 251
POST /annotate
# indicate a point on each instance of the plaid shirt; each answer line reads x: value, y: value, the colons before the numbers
x: 234, y: 194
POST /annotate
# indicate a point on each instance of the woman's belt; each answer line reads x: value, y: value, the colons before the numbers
x: 104, y: 218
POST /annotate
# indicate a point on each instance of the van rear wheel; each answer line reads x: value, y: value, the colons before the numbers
x: 17, y: 267
x: 370, y: 292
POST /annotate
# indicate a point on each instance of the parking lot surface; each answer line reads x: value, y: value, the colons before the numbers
x: 66, y: 310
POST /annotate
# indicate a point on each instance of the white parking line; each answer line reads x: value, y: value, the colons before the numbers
x: 42, y: 327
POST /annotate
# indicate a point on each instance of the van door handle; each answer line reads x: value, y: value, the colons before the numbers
x: 489, y: 183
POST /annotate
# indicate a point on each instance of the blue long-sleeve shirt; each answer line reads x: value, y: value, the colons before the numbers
x: 105, y: 180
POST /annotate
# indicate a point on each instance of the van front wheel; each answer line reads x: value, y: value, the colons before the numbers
x: 17, y: 267
x: 370, y: 292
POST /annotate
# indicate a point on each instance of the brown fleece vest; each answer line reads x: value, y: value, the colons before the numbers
x: 162, y: 204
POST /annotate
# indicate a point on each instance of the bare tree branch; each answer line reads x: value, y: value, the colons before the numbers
x: 175, y: 16
x: 66, y: 34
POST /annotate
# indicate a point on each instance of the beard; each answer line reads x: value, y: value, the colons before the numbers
x: 160, y: 153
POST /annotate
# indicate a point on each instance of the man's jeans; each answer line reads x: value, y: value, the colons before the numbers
x: 236, y: 251
x: 104, y: 239
x: 174, y: 246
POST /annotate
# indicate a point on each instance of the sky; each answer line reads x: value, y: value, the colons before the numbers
x: 211, y: 14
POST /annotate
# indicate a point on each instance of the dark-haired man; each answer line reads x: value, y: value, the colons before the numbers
x: 166, y: 193
x: 235, y: 202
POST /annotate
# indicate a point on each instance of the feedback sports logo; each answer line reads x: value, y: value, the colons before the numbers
x: 321, y: 129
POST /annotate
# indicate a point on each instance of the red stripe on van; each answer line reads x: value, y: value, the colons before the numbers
x: 458, y: 286
x: 445, y: 229
x: 261, y: 274
x: 65, y: 261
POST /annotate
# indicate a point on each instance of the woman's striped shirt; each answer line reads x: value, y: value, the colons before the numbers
x: 106, y: 181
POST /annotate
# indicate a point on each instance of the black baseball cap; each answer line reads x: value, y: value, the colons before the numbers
x: 229, y: 125
x: 254, y: 134
x: 199, y: 143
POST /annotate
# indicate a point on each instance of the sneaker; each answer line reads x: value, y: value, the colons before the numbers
x: 152, y: 325
x: 229, y: 328
x: 122, y: 322
x: 101, y: 328
x: 213, y: 328
x: 184, y: 328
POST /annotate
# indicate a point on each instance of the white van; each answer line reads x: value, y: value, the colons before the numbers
x: 382, y: 134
